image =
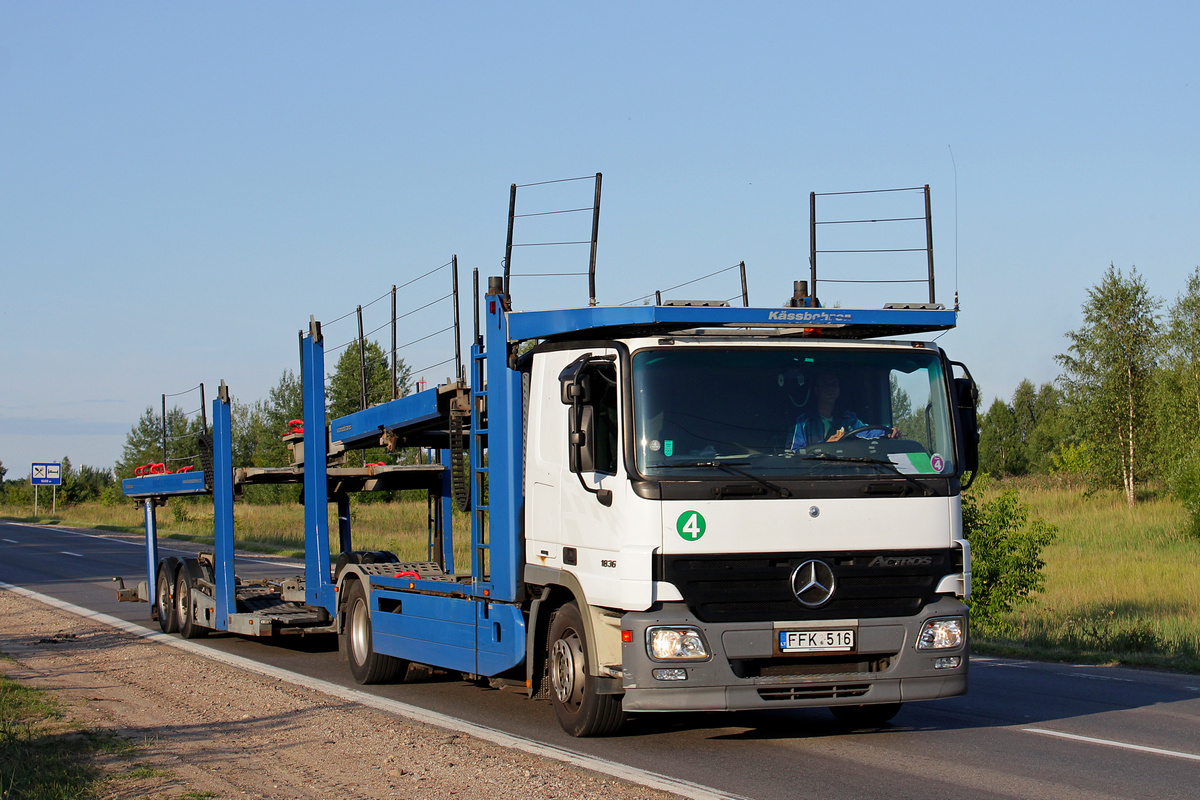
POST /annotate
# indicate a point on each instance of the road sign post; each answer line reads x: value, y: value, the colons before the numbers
x: 46, y: 474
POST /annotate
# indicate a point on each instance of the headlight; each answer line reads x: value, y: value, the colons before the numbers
x: 942, y: 633
x: 669, y: 644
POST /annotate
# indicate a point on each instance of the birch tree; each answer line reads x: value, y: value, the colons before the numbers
x: 1108, y: 376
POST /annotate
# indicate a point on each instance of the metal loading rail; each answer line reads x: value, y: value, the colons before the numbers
x: 471, y: 622
x: 269, y: 607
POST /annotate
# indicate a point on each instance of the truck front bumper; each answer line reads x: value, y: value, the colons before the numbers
x: 745, y: 669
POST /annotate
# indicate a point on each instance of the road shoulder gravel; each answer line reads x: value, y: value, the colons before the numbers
x: 206, y: 728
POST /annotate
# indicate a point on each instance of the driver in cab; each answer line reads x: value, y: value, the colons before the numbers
x: 825, y: 420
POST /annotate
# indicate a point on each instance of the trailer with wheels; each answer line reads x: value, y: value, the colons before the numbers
x: 673, y: 507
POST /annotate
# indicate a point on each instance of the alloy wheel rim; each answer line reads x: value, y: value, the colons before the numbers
x: 566, y: 667
x: 360, y: 634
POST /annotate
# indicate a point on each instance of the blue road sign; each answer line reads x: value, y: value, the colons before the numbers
x: 47, y: 474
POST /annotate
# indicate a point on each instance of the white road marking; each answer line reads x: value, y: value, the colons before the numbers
x: 653, y: 780
x: 1111, y: 743
x: 1091, y: 677
x: 12, y: 541
x: 69, y: 553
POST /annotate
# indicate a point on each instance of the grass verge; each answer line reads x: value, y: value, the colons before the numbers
x: 1122, y: 584
x: 43, y: 756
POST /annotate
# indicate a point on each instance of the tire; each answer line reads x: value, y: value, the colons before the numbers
x: 164, y: 602
x: 869, y: 716
x: 580, y: 710
x: 366, y: 666
x: 185, y: 608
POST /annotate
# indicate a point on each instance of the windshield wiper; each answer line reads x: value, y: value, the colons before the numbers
x: 875, y: 461
x: 732, y: 469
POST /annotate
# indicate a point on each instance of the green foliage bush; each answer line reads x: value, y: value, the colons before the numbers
x: 1006, y: 554
x: 1074, y: 458
x: 1184, y: 482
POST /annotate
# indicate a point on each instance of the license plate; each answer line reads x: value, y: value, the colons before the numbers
x: 840, y: 640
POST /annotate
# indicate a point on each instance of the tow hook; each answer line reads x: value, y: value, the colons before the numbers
x: 124, y: 594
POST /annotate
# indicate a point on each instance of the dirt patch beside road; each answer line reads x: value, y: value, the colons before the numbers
x: 206, y: 729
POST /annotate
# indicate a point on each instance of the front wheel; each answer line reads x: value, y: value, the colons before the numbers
x: 581, y: 711
x: 868, y: 716
x: 366, y: 666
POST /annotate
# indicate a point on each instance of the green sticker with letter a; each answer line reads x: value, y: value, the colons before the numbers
x: 690, y: 525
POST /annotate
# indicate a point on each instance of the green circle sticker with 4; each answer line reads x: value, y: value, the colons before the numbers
x: 690, y: 525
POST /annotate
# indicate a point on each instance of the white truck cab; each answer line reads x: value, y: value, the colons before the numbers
x: 736, y: 538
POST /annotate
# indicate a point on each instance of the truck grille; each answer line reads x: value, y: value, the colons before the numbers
x: 780, y: 669
x: 758, y: 587
x: 833, y: 692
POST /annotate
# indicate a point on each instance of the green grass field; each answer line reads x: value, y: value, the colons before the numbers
x: 1122, y: 585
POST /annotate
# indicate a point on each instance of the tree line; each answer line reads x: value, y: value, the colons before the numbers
x: 1125, y: 411
x: 79, y: 485
x: 258, y: 429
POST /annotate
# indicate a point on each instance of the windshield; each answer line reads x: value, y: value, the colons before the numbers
x: 780, y: 412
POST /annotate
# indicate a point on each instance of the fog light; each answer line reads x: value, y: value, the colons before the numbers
x: 670, y: 674
x: 942, y: 633
x: 669, y: 644
x: 947, y: 662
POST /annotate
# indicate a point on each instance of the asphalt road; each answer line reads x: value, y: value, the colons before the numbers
x: 1024, y: 730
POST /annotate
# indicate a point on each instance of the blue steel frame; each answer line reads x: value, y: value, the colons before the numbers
x: 177, y: 483
x: 319, y: 589
x: 151, y: 488
x: 151, y: 547
x: 447, y: 501
x: 226, y: 603
x: 370, y: 422
x: 505, y: 458
x: 896, y: 321
x: 476, y: 627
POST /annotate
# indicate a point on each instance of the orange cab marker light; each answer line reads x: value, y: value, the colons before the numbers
x: 627, y: 636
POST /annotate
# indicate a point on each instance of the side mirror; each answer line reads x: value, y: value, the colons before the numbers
x: 581, y: 440
x: 966, y: 396
x: 576, y: 391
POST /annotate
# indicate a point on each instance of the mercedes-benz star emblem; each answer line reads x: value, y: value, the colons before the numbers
x: 813, y: 583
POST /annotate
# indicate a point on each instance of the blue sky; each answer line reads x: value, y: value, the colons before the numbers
x: 183, y: 184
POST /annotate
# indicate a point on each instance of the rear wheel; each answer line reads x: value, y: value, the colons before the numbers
x: 185, y: 608
x: 366, y: 666
x: 869, y: 716
x: 581, y: 711
x: 164, y: 603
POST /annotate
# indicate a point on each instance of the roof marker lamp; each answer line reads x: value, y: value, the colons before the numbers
x: 941, y: 633
x: 676, y: 643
